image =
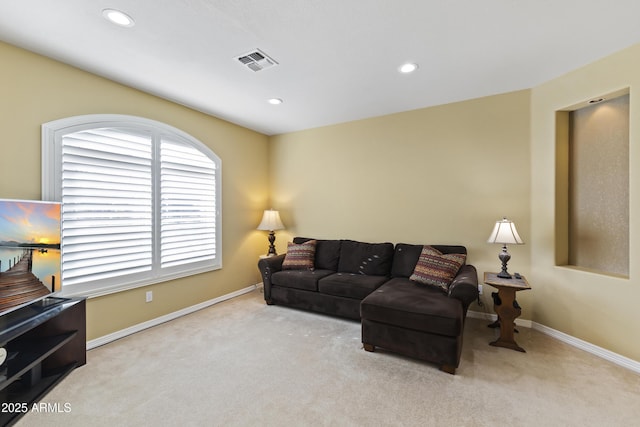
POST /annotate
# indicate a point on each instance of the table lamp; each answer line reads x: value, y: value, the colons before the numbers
x: 271, y: 222
x: 505, y: 233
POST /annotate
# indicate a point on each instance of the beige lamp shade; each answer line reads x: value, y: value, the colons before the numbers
x: 271, y: 221
x: 504, y: 232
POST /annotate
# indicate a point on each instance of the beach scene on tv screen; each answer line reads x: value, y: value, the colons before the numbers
x: 29, y: 250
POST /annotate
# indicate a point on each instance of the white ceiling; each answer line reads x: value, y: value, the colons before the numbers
x: 338, y: 59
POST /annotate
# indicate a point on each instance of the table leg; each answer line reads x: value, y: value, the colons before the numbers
x: 507, y: 313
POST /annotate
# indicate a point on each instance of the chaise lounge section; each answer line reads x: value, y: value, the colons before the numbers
x: 418, y: 320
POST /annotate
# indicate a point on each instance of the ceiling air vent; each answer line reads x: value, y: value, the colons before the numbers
x: 256, y: 60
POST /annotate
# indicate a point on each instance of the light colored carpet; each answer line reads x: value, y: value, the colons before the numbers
x: 243, y: 363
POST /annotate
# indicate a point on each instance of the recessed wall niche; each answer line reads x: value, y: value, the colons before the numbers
x: 592, y: 185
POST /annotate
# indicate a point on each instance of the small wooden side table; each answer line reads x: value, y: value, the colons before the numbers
x: 508, y: 310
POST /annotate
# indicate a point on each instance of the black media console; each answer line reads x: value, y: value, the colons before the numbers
x: 44, y: 342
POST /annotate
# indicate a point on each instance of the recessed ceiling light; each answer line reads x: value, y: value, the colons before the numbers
x: 409, y: 67
x: 595, y: 101
x: 275, y: 101
x: 118, y: 17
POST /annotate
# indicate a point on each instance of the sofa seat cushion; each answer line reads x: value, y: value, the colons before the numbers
x: 350, y: 285
x: 299, y: 279
x: 402, y: 303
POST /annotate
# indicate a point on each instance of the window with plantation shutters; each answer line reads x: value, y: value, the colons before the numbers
x: 140, y: 202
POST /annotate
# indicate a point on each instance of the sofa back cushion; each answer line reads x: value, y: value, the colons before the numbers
x: 327, y: 253
x: 366, y: 258
x: 406, y: 257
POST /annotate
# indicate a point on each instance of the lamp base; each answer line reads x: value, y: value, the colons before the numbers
x: 504, y: 257
x: 272, y: 247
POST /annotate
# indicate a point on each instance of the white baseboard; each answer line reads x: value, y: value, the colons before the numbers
x: 616, y: 358
x: 167, y: 317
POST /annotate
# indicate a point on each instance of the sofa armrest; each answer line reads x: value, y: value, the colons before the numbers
x: 465, y: 286
x: 267, y: 267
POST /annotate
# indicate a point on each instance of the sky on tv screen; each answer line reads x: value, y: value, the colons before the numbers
x: 29, y: 222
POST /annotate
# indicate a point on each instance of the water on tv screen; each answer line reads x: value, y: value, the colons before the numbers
x: 29, y: 252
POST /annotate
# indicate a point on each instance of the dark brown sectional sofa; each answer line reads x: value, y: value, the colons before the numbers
x: 370, y: 282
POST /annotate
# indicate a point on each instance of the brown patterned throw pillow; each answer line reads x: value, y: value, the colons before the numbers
x: 300, y: 256
x: 437, y: 269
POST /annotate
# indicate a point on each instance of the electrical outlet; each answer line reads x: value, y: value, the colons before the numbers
x: 480, y: 288
x: 149, y: 296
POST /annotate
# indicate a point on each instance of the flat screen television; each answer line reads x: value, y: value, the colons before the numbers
x: 29, y: 252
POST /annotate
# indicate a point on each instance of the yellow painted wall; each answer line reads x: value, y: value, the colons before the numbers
x: 440, y: 175
x: 36, y: 90
x: 597, y: 308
